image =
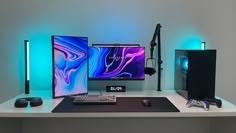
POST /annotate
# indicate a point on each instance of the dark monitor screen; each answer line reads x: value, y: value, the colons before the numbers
x: 116, y: 63
x: 69, y: 65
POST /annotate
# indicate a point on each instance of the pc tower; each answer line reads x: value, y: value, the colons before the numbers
x: 195, y: 73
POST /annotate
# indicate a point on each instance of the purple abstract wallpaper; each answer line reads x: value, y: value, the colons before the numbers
x: 70, y: 65
x: 116, y: 62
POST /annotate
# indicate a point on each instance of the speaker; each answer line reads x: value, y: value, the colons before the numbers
x: 195, y: 73
x: 32, y: 101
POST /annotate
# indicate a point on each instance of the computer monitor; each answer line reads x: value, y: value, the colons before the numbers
x: 116, y: 63
x: 116, y: 45
x: 69, y: 65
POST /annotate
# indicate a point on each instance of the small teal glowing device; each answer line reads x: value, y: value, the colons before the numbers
x: 203, y: 45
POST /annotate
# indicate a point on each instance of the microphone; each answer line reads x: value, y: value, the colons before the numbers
x: 150, y: 70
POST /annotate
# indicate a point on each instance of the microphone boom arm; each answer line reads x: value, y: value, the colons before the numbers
x: 157, y: 35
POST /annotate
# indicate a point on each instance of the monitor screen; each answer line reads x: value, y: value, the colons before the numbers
x: 116, y: 63
x: 69, y: 65
x: 116, y: 45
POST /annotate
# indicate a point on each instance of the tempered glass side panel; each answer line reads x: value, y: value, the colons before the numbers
x: 181, y: 72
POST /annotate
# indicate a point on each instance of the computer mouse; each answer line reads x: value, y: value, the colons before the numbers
x: 146, y: 103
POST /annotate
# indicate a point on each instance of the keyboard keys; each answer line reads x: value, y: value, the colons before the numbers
x: 94, y: 99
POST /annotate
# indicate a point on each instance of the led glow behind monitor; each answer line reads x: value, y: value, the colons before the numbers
x: 116, y: 63
x: 69, y: 65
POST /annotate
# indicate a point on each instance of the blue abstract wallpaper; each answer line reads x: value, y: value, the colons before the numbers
x: 70, y: 65
x: 116, y: 62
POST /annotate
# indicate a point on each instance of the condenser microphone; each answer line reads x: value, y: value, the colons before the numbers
x: 150, y: 70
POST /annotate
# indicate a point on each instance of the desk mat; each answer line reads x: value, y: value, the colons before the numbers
x: 124, y: 104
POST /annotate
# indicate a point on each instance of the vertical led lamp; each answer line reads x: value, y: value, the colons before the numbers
x: 27, y: 67
x: 203, y: 45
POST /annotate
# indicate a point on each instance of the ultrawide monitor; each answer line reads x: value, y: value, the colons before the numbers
x: 116, y: 63
x: 116, y: 45
x: 69, y: 65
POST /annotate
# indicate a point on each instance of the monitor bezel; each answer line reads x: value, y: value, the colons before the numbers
x: 115, y: 45
x: 116, y: 79
x: 53, y: 63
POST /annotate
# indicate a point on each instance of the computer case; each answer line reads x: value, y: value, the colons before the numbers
x: 195, y: 72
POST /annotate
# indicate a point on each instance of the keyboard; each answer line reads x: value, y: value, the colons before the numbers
x: 94, y: 100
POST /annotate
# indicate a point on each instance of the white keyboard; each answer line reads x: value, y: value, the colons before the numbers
x: 94, y: 99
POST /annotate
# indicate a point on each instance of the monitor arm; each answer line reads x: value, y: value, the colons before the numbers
x: 157, y: 35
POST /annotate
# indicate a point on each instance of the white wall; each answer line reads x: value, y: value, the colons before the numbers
x: 185, y: 23
x: 231, y: 64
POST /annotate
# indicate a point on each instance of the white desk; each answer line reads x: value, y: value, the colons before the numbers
x: 41, y: 120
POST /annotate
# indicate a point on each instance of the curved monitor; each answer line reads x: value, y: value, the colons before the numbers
x: 69, y: 65
x: 116, y: 63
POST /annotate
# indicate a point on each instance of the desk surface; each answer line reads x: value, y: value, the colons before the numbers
x: 7, y: 108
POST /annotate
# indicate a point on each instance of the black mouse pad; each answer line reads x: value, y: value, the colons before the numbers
x: 124, y: 104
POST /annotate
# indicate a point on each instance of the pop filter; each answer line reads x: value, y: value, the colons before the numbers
x: 150, y: 70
